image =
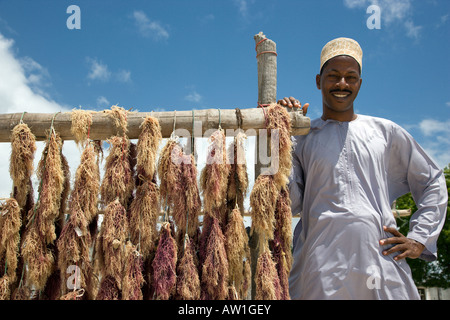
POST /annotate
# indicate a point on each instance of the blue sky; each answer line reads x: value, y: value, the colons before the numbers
x: 196, y: 54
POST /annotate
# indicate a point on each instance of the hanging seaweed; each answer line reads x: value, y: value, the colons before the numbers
x: 51, y: 175
x: 37, y: 256
x: 278, y: 119
x: 164, y: 264
x: 73, y: 295
x: 187, y: 203
x: 144, y: 211
x: 111, y: 241
x: 283, y: 225
x: 119, y: 116
x: 81, y: 125
x: 266, y: 278
x: 133, y: 278
x: 73, y: 248
x: 38, y: 246
x: 188, y: 282
x: 118, y: 180
x: 23, y: 148
x: 214, y: 177
x: 263, y: 202
x: 147, y: 147
x: 75, y: 240
x: 214, y: 277
x: 144, y: 208
x: 238, y: 177
x: 169, y: 171
x: 109, y: 289
x: 10, y: 223
x: 236, y: 245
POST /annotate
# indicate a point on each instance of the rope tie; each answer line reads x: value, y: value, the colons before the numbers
x: 256, y: 49
x: 238, y: 117
x: 21, y: 118
x: 220, y: 121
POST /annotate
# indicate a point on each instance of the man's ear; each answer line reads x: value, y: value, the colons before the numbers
x: 318, y: 81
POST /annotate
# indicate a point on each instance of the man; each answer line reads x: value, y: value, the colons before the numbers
x: 346, y: 173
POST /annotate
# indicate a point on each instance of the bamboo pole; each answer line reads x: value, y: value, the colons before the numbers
x: 266, y: 57
x: 103, y: 127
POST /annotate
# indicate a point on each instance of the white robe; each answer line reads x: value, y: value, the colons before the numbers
x: 345, y: 177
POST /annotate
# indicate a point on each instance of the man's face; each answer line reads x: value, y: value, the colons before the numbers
x: 340, y: 82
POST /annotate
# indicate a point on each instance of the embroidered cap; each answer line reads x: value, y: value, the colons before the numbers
x: 339, y: 47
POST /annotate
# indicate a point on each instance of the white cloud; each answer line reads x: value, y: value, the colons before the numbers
x: 392, y: 11
x: 207, y: 18
x: 242, y: 7
x: 436, y: 141
x: 447, y: 104
x: 102, y: 101
x: 148, y: 28
x: 123, y: 76
x: 19, y: 77
x: 431, y: 127
x: 412, y: 30
x: 193, y: 97
x: 100, y: 72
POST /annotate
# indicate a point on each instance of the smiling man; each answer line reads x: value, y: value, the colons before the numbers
x: 346, y: 173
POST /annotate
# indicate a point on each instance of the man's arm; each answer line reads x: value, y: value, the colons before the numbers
x: 410, y: 169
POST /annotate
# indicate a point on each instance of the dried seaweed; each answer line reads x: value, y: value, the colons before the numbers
x: 188, y: 282
x: 214, y: 277
x: 236, y: 244
x: 214, y: 176
x: 23, y: 148
x: 147, y: 147
x: 118, y: 182
x: 266, y: 278
x: 278, y: 118
x: 144, y: 211
x: 81, y: 124
x: 133, y: 278
x: 164, y: 265
x: 263, y: 201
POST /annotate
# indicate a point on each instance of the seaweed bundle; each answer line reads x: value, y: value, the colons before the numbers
x: 118, y: 180
x: 214, y: 178
x: 282, y: 253
x: 169, y: 171
x: 144, y: 208
x: 236, y: 244
x: 38, y: 246
x: 10, y: 223
x: 110, y: 245
x: 215, y: 275
x: 279, y: 122
x: 23, y: 148
x: 238, y: 177
x: 266, y: 278
x: 133, y: 278
x: 147, y: 147
x: 263, y: 200
x: 81, y: 124
x: 188, y: 282
x: 164, y: 264
x: 187, y: 203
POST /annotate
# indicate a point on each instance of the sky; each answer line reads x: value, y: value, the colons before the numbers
x: 197, y: 54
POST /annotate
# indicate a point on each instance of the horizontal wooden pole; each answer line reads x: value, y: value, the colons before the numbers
x: 103, y: 127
